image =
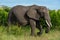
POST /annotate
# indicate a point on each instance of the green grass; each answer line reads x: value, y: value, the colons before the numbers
x: 53, y: 35
x: 22, y: 33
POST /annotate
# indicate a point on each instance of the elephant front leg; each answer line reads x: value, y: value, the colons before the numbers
x: 47, y: 29
x: 33, y: 26
x: 39, y: 27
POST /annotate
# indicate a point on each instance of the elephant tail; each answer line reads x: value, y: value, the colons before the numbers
x: 9, y: 17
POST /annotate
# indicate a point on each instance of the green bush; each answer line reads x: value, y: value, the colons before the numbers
x: 55, y: 18
x: 3, y: 17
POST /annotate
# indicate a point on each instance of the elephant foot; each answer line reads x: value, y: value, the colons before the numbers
x: 39, y: 33
x: 33, y: 35
x: 47, y: 31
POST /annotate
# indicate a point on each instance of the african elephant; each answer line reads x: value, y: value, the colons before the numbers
x: 30, y: 15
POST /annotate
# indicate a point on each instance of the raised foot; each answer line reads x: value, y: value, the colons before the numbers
x: 39, y: 33
x: 33, y: 35
x: 47, y: 31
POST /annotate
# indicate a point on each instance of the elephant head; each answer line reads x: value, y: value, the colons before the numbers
x: 44, y: 13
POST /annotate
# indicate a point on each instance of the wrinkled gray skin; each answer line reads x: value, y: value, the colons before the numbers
x: 24, y: 15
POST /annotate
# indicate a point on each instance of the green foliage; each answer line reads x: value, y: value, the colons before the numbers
x: 55, y: 18
x: 3, y: 16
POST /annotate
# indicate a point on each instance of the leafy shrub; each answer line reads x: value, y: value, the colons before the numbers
x: 55, y: 18
x: 3, y: 17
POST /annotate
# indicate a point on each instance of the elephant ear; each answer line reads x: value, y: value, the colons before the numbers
x: 32, y: 13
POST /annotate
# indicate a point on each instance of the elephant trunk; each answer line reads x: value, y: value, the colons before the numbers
x: 47, y: 19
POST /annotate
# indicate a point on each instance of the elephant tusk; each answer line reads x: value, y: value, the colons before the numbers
x: 51, y: 24
x: 47, y: 23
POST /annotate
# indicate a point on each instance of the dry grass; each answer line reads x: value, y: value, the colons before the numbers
x: 53, y: 35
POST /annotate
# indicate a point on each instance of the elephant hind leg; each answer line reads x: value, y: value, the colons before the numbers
x: 39, y: 27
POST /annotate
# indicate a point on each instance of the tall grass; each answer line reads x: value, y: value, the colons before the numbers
x: 16, y: 33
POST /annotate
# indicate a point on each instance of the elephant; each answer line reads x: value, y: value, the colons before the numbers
x: 31, y: 15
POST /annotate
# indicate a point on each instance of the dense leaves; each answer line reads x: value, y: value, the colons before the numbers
x: 4, y: 15
x: 55, y: 18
